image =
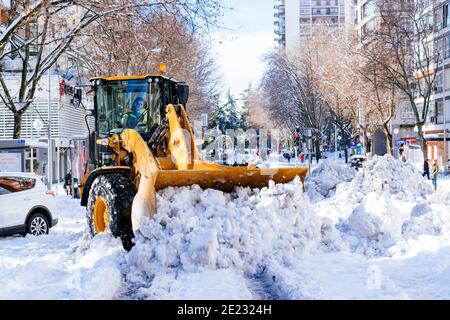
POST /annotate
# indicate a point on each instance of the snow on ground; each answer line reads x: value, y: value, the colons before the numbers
x: 62, y: 265
x: 380, y: 233
x: 200, y: 230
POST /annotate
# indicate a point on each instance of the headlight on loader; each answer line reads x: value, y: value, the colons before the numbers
x: 103, y: 142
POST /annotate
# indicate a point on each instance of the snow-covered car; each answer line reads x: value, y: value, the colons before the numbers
x: 26, y: 206
x: 357, y: 161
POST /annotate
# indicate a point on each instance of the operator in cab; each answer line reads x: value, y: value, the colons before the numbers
x: 137, y: 114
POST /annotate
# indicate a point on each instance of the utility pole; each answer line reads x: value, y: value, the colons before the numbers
x: 50, y: 149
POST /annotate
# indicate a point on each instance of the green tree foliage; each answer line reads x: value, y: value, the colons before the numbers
x: 228, y: 116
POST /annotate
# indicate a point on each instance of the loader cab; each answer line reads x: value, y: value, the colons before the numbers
x: 137, y: 103
x: 133, y: 102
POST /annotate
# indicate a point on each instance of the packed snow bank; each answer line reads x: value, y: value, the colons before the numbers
x: 197, y: 230
x: 376, y: 224
x: 400, y: 179
x: 322, y: 181
x: 376, y: 208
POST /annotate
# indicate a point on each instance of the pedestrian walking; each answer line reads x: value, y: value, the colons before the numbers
x: 434, y: 174
x: 302, y: 158
x: 68, y: 183
x: 426, y: 169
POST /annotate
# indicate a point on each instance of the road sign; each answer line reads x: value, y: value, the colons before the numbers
x: 21, y: 141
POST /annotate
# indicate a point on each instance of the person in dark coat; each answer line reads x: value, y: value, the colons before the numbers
x: 426, y: 169
x: 68, y: 183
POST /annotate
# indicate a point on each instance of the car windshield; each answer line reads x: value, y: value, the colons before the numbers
x: 133, y: 104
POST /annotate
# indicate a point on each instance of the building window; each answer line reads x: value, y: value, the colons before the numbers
x: 447, y: 47
x: 439, y: 82
x: 368, y: 9
x: 440, y: 112
x: 446, y: 18
x: 438, y: 21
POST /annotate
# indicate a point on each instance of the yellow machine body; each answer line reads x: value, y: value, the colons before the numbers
x: 182, y: 167
x: 175, y: 163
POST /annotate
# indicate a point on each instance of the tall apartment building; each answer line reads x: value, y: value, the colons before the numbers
x: 296, y: 20
x: 280, y: 23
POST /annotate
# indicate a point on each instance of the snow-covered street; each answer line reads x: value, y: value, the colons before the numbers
x: 382, y: 234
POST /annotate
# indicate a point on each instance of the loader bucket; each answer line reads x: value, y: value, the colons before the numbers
x: 226, y: 178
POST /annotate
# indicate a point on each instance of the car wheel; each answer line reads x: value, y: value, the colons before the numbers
x: 38, y: 225
x: 109, y: 207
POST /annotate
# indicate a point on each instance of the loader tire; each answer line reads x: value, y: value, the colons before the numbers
x: 109, y: 207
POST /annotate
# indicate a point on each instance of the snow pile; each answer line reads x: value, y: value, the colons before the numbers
x: 400, y: 179
x: 322, y: 181
x: 441, y: 196
x: 427, y: 220
x: 197, y: 230
x: 375, y: 210
x: 96, y: 274
x: 375, y: 224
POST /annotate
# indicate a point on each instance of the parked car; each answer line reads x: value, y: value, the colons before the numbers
x: 357, y: 161
x: 26, y: 206
x: 287, y: 154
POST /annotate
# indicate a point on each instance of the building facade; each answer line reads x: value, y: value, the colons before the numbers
x: 68, y: 129
x: 438, y: 121
x: 280, y: 23
x: 51, y: 109
x: 296, y: 20
x: 403, y: 122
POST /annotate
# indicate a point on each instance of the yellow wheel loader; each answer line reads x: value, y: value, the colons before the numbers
x: 143, y: 142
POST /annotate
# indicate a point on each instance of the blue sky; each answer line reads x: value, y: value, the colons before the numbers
x: 239, y: 51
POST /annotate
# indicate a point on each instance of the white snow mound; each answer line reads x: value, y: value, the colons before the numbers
x: 322, y: 181
x: 198, y: 230
x: 377, y: 216
x: 400, y: 179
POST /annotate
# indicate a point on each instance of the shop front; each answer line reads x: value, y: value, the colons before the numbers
x: 437, y: 145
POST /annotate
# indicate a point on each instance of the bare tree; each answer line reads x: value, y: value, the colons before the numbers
x: 257, y: 116
x: 138, y: 46
x: 291, y: 89
x: 402, y: 48
x: 39, y: 32
x: 380, y: 102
